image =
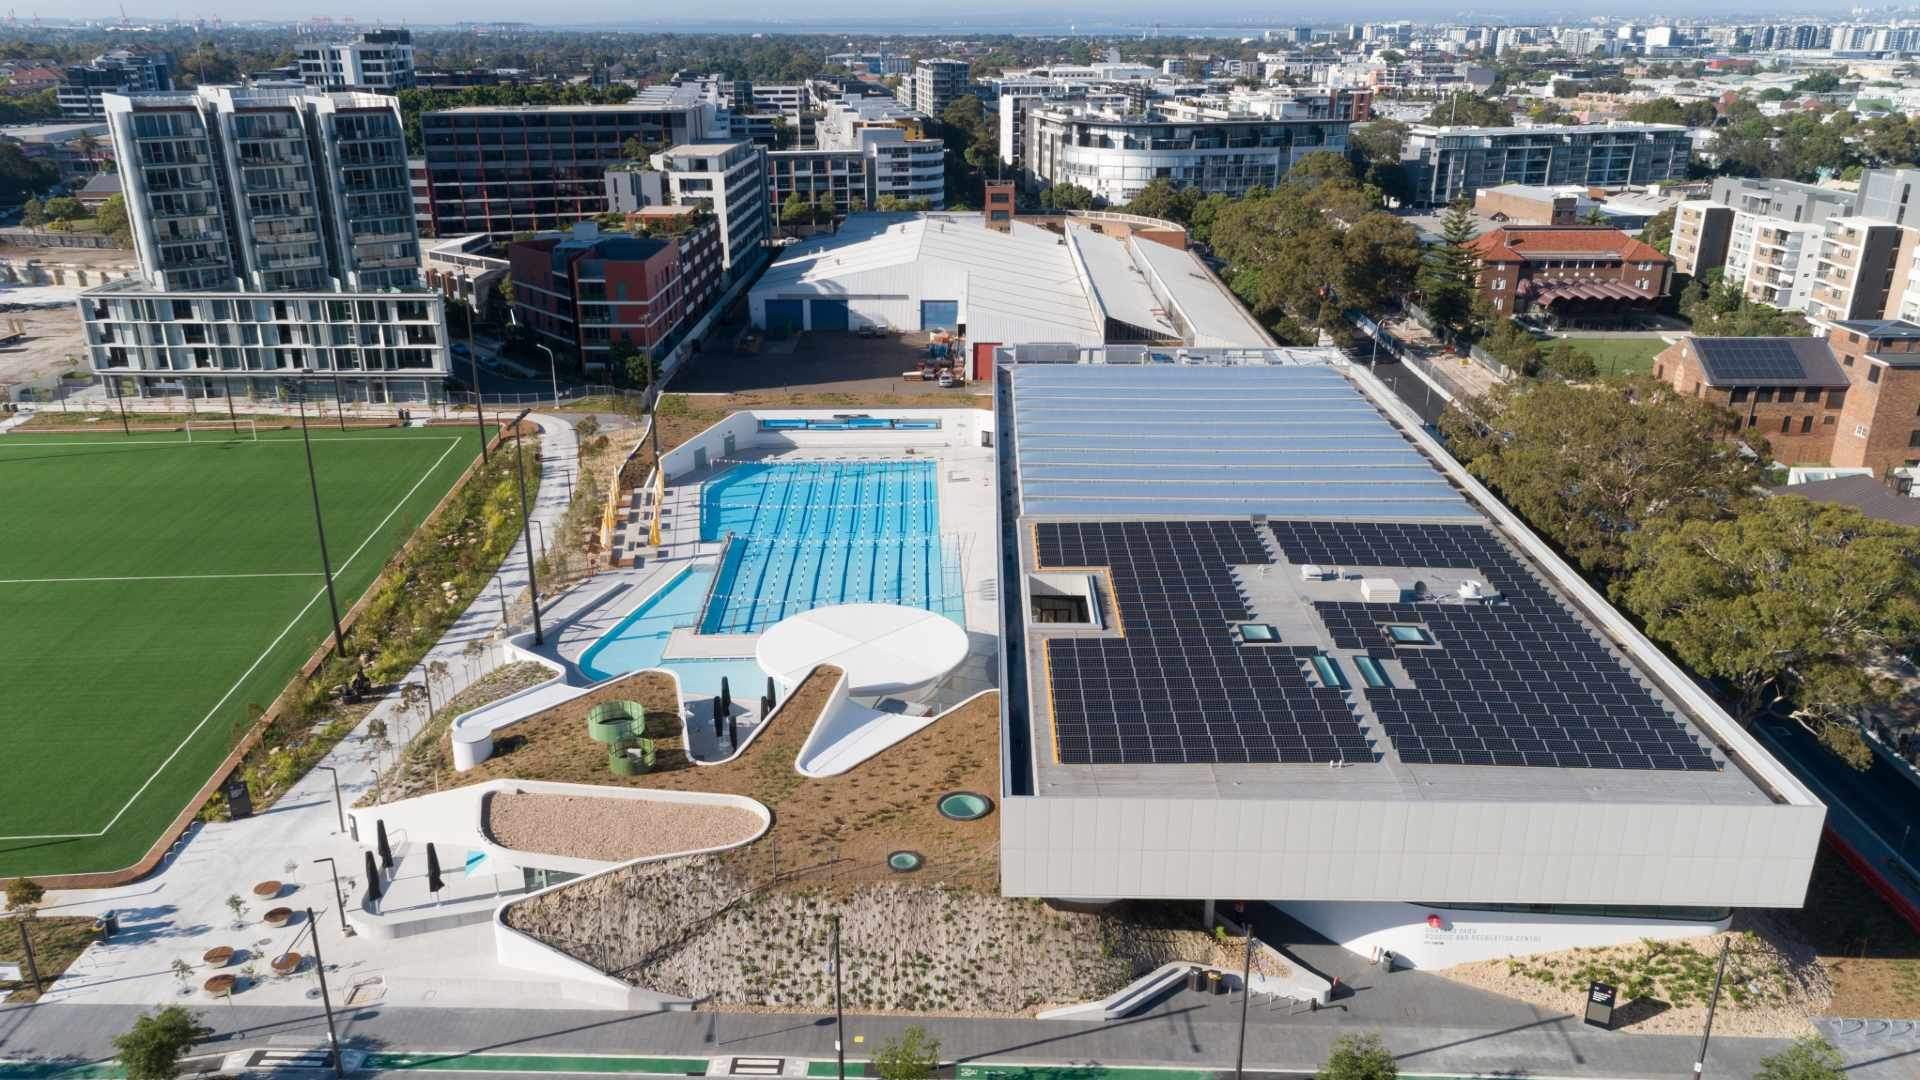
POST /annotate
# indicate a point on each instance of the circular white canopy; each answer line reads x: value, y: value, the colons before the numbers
x: 883, y: 648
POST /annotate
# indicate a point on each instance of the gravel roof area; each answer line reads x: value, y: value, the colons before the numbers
x: 613, y: 830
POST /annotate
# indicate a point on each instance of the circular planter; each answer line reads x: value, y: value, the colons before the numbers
x: 905, y: 862
x: 964, y: 806
x: 279, y: 916
x: 619, y: 764
x: 267, y: 890
x: 220, y: 985
x: 611, y: 722
x: 287, y: 963
x: 219, y: 956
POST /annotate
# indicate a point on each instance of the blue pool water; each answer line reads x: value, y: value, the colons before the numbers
x: 811, y: 533
x: 641, y: 637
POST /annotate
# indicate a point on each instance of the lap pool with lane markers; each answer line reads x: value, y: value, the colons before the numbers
x: 806, y: 534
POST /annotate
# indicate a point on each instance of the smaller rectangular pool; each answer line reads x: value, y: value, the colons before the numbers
x: 639, y: 641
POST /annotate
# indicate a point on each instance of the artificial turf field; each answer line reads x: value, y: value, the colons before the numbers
x: 151, y: 590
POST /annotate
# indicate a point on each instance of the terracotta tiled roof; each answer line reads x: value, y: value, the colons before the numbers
x: 1520, y: 243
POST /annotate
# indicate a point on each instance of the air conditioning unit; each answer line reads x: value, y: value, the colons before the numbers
x: 1381, y: 590
x: 1311, y: 572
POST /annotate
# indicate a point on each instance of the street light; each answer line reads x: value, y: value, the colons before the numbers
x: 339, y: 810
x: 326, y: 1001
x: 319, y: 525
x: 526, y: 530
x: 339, y: 898
x: 553, y: 371
x: 473, y: 358
x: 542, y: 526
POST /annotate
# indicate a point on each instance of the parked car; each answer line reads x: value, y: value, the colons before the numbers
x: 871, y: 330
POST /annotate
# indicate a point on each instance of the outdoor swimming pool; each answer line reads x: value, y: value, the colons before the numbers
x: 639, y: 640
x: 811, y: 533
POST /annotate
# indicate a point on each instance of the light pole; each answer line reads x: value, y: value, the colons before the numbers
x: 326, y: 1002
x: 839, y: 1014
x: 339, y: 898
x: 473, y: 358
x: 120, y: 396
x: 526, y: 530
x: 319, y: 525
x: 1246, y: 996
x: 339, y: 811
x: 553, y: 371
x: 1700, y: 1061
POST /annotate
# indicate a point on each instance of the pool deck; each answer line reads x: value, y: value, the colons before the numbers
x: 592, y: 608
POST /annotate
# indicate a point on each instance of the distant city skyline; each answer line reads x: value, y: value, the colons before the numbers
x: 853, y: 16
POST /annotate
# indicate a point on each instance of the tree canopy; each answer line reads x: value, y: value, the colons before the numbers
x: 1301, y: 252
x: 152, y: 1048
x: 1469, y: 110
x: 1809, y: 1057
x: 1592, y: 464
x: 1786, y: 602
x: 1666, y: 110
x: 912, y: 1056
x: 1718, y: 308
x: 1447, y: 273
x: 1359, y: 1057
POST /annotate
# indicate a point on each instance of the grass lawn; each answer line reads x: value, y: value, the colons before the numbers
x: 153, y: 593
x: 57, y: 942
x: 1617, y: 355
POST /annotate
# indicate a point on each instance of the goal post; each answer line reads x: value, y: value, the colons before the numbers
x: 218, y: 431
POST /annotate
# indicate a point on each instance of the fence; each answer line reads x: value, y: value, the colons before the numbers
x: 1479, y: 355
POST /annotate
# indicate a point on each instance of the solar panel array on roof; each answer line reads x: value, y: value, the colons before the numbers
x: 1145, y: 440
x: 1178, y: 688
x: 1518, y: 682
x: 1774, y: 361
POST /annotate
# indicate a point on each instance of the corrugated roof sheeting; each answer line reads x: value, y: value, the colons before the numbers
x: 1120, y: 289
x: 1216, y: 320
x: 1153, y: 441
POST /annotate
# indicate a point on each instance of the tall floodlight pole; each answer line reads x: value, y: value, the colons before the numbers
x: 526, y: 530
x: 320, y: 525
x: 326, y: 1001
x: 553, y: 372
x: 1246, y: 996
x: 473, y: 358
x: 120, y: 395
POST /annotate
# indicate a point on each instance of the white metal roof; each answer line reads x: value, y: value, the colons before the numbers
x: 1215, y: 318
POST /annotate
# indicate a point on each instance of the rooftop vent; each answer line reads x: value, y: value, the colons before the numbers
x: 1476, y: 590
x: 1311, y: 572
x: 1381, y: 590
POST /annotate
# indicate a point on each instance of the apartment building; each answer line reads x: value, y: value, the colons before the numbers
x: 816, y: 175
x: 730, y: 179
x: 1859, y: 260
x: 934, y: 85
x: 378, y: 60
x: 587, y: 293
x: 121, y: 71
x: 1575, y: 275
x: 1443, y: 163
x: 275, y: 236
x: 1849, y: 399
x: 508, y: 169
x: 1218, y: 143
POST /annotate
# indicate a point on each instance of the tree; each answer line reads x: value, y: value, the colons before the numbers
x: 1469, y: 110
x: 33, y: 213
x: 1658, y: 231
x: 1810, y: 1057
x: 1379, y: 142
x: 1788, y: 602
x: 23, y: 894
x: 1590, y: 465
x: 636, y: 151
x: 1359, y: 1057
x: 1066, y: 197
x: 1719, y: 308
x: 152, y: 1048
x: 796, y: 210
x: 1569, y: 363
x: 1319, y: 166
x: 912, y: 1056
x: 63, y: 208
x: 1668, y: 111
x: 111, y: 219
x: 1161, y: 199
x: 1595, y: 216
x: 1446, y: 278
x: 1299, y: 254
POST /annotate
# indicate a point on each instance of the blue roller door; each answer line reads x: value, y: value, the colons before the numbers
x: 829, y: 314
x: 939, y: 314
x: 784, y: 316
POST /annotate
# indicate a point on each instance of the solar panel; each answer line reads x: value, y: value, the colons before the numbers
x: 1178, y: 688
x: 1520, y: 682
x: 1757, y: 360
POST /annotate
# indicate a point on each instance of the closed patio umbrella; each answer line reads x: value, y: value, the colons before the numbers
x: 771, y: 699
x: 380, y: 842
x: 726, y: 696
x: 434, y: 881
x: 717, y: 715
x: 373, y: 880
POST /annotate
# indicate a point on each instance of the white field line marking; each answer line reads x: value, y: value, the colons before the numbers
x: 275, y: 643
x: 157, y: 577
x: 170, y: 444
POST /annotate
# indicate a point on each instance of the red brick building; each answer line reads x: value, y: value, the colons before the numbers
x: 1850, y: 399
x: 1574, y: 274
x: 585, y: 291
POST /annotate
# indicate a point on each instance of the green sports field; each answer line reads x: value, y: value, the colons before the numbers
x: 151, y: 590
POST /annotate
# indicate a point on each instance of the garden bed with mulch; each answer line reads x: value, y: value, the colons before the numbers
x: 610, y: 830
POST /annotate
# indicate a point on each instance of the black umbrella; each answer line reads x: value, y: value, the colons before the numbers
x: 771, y: 699
x: 373, y: 880
x: 380, y: 842
x: 726, y: 696
x: 716, y: 718
x: 733, y: 731
x: 434, y: 882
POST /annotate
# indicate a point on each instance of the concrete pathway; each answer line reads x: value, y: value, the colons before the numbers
x: 180, y: 910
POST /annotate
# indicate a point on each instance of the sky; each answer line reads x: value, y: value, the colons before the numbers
x: 849, y: 14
